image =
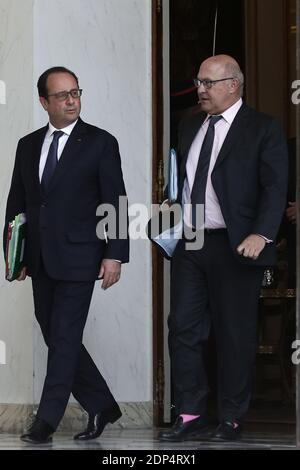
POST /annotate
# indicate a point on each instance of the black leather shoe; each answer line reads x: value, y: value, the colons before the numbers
x: 39, y: 432
x: 181, y: 431
x: 97, y: 423
x: 227, y: 431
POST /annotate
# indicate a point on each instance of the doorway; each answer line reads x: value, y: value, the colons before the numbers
x: 264, y: 49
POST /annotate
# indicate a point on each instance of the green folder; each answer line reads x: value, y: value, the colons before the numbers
x: 16, y: 236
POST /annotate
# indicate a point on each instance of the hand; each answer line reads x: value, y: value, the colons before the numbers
x: 22, y: 274
x: 251, y: 247
x: 110, y: 272
x: 291, y: 212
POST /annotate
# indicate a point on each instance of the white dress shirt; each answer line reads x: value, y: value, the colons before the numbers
x: 48, y: 140
x: 213, y: 215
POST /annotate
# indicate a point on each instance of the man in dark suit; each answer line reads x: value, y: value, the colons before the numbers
x: 62, y: 173
x: 233, y: 161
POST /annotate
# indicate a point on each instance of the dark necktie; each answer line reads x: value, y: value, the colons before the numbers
x: 51, y: 161
x: 199, y: 186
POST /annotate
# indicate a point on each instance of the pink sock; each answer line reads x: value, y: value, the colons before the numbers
x: 233, y: 424
x: 187, y: 418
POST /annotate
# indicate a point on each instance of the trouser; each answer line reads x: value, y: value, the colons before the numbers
x: 210, y: 286
x: 61, y: 309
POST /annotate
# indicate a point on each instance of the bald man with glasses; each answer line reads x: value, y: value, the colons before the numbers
x: 233, y: 164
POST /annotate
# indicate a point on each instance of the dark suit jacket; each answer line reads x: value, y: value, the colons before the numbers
x: 249, y: 177
x: 62, y: 223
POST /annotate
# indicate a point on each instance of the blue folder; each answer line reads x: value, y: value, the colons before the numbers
x: 163, y: 230
x: 173, y: 177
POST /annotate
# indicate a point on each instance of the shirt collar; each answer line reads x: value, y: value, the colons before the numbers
x: 66, y: 130
x: 230, y: 113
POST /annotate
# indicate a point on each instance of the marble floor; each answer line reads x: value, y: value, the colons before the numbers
x: 146, y: 439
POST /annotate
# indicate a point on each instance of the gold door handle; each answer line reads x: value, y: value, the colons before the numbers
x: 158, y: 6
x: 160, y: 182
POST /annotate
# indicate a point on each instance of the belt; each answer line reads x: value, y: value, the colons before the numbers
x: 214, y: 231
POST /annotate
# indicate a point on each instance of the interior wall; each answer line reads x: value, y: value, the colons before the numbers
x: 16, y: 119
x: 108, y: 44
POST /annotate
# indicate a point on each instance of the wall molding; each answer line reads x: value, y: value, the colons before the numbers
x: 15, y: 418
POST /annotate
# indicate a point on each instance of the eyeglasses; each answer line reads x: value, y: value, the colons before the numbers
x: 63, y: 95
x: 209, y: 83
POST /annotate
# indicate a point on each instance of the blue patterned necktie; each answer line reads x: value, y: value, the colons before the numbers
x: 199, y: 186
x: 51, y: 161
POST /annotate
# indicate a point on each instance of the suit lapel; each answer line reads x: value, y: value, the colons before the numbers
x: 36, y: 152
x: 70, y: 153
x: 234, y: 133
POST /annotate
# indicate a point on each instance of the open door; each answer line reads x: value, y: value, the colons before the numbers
x: 157, y: 197
x: 266, y: 51
x: 298, y: 225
